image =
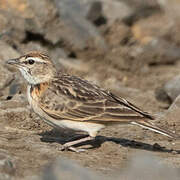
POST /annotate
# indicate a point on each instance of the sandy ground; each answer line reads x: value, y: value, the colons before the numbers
x: 32, y: 144
x: 131, y: 67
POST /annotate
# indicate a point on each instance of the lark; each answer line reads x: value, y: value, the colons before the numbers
x: 67, y: 101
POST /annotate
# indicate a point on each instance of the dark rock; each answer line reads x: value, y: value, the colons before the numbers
x: 172, y: 88
x: 92, y: 10
x: 161, y: 95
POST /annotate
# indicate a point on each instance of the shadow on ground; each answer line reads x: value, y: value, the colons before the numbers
x: 55, y: 136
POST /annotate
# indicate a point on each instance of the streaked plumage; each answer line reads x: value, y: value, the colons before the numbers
x: 70, y: 102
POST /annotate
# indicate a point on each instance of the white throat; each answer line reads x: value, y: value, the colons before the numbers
x: 29, y: 78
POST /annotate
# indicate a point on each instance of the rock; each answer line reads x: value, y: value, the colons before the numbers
x: 172, y: 10
x: 147, y: 166
x: 13, y: 87
x: 6, y: 77
x: 37, y: 22
x: 157, y: 51
x: 7, y: 167
x: 147, y: 29
x: 70, y: 65
x: 115, y: 10
x: 118, y: 34
x: 171, y: 116
x: 144, y: 43
x: 127, y: 11
x: 172, y: 88
x: 164, y: 24
x: 141, y: 3
x: 140, y: 166
x: 66, y: 169
x: 63, y: 22
x: 161, y: 95
x: 113, y: 84
x: 75, y: 29
x: 141, y: 10
x: 18, y: 10
x: 11, y: 82
x: 7, y: 52
x: 57, y: 53
x: 72, y: 26
x: 3, y: 25
x: 92, y: 10
x: 175, y: 105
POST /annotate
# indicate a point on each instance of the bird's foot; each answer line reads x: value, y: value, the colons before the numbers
x: 66, y: 148
x: 69, y: 145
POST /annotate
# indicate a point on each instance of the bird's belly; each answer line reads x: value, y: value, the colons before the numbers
x: 91, y: 128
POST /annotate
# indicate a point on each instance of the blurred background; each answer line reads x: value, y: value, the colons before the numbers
x: 131, y: 47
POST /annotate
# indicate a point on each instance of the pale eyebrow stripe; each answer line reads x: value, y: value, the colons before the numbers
x: 38, y: 60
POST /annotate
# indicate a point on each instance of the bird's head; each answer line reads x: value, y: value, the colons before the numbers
x: 35, y: 67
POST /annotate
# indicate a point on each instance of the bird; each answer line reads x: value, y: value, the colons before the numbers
x: 70, y: 102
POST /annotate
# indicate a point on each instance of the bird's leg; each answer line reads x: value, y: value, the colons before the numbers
x: 68, y: 145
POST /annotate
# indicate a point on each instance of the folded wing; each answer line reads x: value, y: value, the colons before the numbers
x: 71, y: 98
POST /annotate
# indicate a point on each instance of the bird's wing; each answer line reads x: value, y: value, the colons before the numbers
x: 72, y: 98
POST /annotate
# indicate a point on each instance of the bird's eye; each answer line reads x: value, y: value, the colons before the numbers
x: 31, y: 61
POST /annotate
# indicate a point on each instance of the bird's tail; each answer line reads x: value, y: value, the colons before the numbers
x: 152, y: 127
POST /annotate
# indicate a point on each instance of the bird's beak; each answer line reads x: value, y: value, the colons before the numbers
x: 13, y: 61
